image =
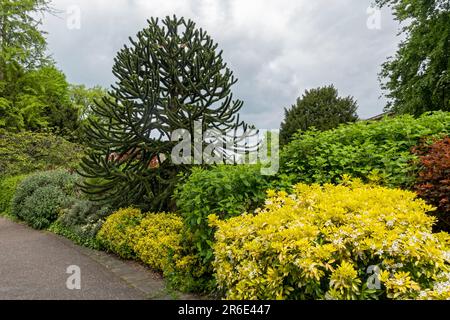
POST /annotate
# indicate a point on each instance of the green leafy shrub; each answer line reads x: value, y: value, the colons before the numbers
x: 157, y: 239
x: 433, y: 183
x: 7, y: 190
x: 40, y: 197
x: 227, y: 191
x: 369, y: 150
x: 186, y: 271
x: 350, y: 241
x: 26, y: 152
x: 81, y: 222
x: 116, y: 234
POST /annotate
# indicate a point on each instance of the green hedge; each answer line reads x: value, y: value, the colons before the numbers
x: 371, y: 150
x: 7, y: 190
x: 26, y: 152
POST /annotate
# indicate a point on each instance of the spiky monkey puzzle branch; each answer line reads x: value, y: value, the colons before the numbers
x: 170, y: 77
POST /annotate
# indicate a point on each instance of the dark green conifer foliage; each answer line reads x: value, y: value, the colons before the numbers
x: 170, y: 76
x: 321, y: 108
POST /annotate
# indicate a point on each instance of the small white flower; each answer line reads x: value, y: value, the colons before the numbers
x: 446, y: 255
x: 328, y: 223
x: 441, y: 287
x: 423, y: 294
x: 400, y: 282
x: 395, y: 247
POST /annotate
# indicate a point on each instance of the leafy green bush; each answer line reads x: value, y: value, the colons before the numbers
x: 116, y: 233
x: 227, y: 191
x: 351, y: 241
x: 40, y: 197
x: 371, y: 150
x: 186, y: 271
x: 26, y: 152
x: 81, y: 222
x: 7, y: 190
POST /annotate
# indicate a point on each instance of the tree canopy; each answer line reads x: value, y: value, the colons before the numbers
x: 21, y: 39
x: 34, y: 94
x: 37, y: 99
x: 417, y: 78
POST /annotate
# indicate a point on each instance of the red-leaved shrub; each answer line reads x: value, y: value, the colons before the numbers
x: 433, y: 182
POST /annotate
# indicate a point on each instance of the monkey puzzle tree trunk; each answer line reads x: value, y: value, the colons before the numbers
x: 168, y: 78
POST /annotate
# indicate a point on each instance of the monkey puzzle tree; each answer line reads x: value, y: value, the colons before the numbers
x: 170, y: 77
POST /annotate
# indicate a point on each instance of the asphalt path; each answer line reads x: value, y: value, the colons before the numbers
x: 39, y: 265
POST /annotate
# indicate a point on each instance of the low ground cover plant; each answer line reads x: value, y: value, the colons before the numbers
x: 81, y: 222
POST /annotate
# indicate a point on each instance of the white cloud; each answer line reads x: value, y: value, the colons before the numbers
x: 277, y: 48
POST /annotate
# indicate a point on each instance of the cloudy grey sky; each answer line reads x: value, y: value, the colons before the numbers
x: 276, y: 48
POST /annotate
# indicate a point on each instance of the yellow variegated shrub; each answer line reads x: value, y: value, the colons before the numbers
x: 115, y: 234
x: 153, y: 238
x: 351, y: 241
x: 157, y: 239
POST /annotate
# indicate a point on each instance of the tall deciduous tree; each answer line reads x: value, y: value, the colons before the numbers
x: 417, y: 78
x: 33, y: 92
x: 170, y: 77
x: 21, y: 39
x: 321, y: 108
x: 37, y: 99
x: 83, y: 98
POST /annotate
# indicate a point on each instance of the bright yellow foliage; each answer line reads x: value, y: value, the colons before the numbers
x: 351, y: 241
x: 153, y: 238
x: 115, y: 233
x: 157, y: 238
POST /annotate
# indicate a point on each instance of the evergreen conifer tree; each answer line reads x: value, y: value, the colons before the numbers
x: 170, y: 77
x: 321, y: 108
